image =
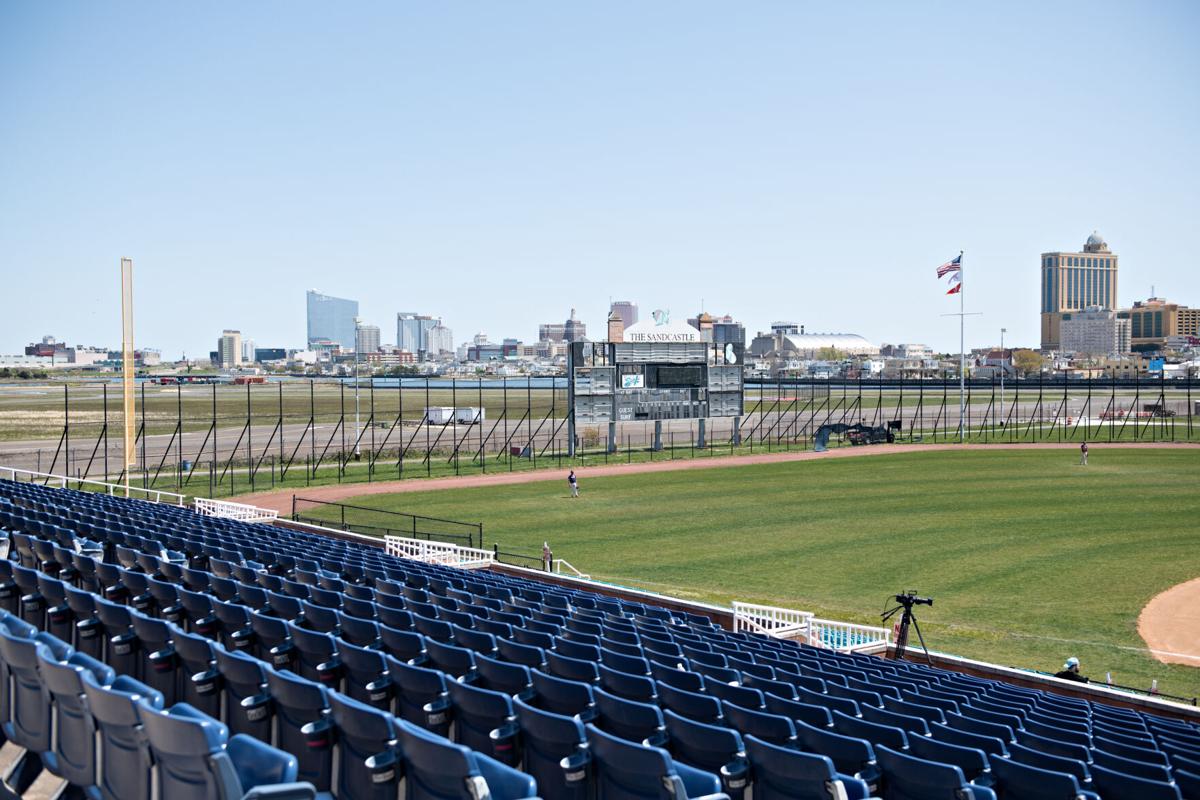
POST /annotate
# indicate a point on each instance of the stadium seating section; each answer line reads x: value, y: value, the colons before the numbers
x: 147, y: 651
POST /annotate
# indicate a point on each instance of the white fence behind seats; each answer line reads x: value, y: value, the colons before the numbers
x: 848, y: 637
x: 782, y: 623
x: 67, y: 482
x: 803, y: 626
x: 451, y: 555
x: 238, y: 511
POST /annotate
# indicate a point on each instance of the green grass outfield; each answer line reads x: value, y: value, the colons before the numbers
x: 1030, y: 558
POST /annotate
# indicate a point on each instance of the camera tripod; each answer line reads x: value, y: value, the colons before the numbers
x: 906, y: 602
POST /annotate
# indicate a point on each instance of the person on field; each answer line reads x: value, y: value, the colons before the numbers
x: 1070, y: 671
x: 1083, y: 448
x: 573, y: 482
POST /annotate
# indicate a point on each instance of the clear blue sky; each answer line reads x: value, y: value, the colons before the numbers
x: 498, y: 163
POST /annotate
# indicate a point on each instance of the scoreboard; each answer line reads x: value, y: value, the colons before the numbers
x: 634, y: 381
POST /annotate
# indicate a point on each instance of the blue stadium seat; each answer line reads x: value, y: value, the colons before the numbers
x: 1048, y: 761
x: 908, y: 778
x: 1113, y: 785
x: 370, y: 764
x: 553, y: 751
x: 198, y: 676
x: 75, y: 742
x: 632, y: 687
x: 28, y: 722
x: 988, y: 744
x: 774, y: 728
x: 502, y: 676
x: 973, y: 762
x: 796, y: 710
x: 710, y: 748
x: 627, y: 771
x: 456, y: 662
x: 874, y: 733
x: 693, y: 705
x: 196, y: 760
x: 781, y: 773
x: 850, y: 755
x: 741, y: 695
x: 560, y: 696
x: 483, y: 721
x: 297, y: 711
x: 240, y: 683
x: 317, y: 656
x: 1129, y: 766
x: 159, y: 662
x: 273, y: 641
x: 1017, y: 779
x: 420, y: 695
x: 518, y: 653
x: 679, y: 678
x: 912, y: 725
x: 636, y: 722
x: 124, y: 761
x: 1188, y: 782
x: 404, y: 645
x: 366, y: 676
x: 437, y: 769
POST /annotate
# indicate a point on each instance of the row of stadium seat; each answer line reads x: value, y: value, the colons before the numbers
x: 504, y: 649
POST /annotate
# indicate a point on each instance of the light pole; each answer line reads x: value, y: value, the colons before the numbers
x: 1003, y: 369
x: 357, y: 347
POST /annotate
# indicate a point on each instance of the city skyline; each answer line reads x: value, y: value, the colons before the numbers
x: 814, y: 170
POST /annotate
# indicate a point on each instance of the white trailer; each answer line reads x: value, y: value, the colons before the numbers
x: 468, y: 415
x: 439, y: 415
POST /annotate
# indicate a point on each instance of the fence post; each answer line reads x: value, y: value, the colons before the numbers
x: 293, y: 508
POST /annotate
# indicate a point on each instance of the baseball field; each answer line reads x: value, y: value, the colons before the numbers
x: 1030, y: 558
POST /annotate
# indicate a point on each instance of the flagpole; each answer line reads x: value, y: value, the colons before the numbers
x: 962, y: 353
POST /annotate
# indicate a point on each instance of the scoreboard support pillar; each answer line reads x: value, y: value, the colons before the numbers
x: 737, y: 431
x: 570, y: 433
x: 700, y: 441
x: 612, y: 437
x: 657, y: 434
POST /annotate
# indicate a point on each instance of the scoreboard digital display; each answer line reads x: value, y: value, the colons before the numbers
x: 636, y: 381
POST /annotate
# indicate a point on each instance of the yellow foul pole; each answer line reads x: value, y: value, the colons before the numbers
x: 127, y: 366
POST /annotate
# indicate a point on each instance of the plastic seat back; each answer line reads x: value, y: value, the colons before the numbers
x: 560, y: 696
x: 420, y: 695
x: 910, y: 778
x: 299, y: 708
x: 1015, y: 779
x: 125, y: 762
x: 781, y: 773
x: 627, y: 771
x: 628, y: 719
x: 241, y: 681
x: 437, y: 769
x: 366, y: 741
x: 709, y: 747
x: 483, y: 720
x: 75, y: 743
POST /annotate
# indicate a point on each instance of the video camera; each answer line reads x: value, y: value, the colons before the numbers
x: 910, y: 599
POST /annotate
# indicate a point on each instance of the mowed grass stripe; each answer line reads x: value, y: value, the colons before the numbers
x: 1020, y: 548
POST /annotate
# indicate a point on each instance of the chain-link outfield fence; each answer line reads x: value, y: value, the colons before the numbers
x: 381, y: 523
x: 221, y: 439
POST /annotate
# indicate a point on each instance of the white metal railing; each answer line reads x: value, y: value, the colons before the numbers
x: 782, y: 623
x: 560, y: 563
x: 238, y: 511
x: 803, y: 626
x: 451, y: 555
x: 848, y: 637
x: 115, y: 489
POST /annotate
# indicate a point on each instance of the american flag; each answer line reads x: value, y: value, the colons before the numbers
x: 950, y: 266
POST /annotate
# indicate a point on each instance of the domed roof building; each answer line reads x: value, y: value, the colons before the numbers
x: 1095, y: 244
x: 810, y: 345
